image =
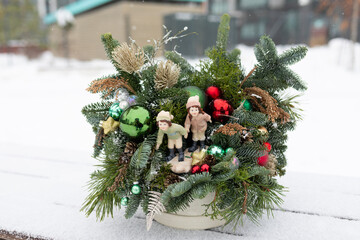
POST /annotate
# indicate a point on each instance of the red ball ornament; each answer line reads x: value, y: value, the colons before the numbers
x: 268, y: 146
x: 205, y: 168
x: 213, y: 92
x: 262, y: 161
x: 195, y: 169
x: 220, y: 108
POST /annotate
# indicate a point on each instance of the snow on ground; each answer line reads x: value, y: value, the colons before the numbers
x: 45, y: 148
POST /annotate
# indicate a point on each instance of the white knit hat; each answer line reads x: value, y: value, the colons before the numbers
x: 163, y: 115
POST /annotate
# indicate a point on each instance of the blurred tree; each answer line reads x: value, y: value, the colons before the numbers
x: 19, y: 20
x: 347, y: 12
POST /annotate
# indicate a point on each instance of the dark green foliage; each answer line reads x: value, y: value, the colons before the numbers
x: 272, y: 73
x: 293, y: 55
x: 157, y: 181
x: 176, y: 109
x: 262, y: 194
x: 249, y: 119
x: 100, y: 199
x: 221, y: 72
x: 141, y: 157
x: 96, y: 112
x: 133, y: 205
x: 222, y: 69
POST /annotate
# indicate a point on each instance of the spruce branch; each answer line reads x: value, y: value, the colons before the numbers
x: 293, y: 55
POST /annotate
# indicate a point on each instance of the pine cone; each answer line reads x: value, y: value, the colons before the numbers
x: 99, y: 138
x: 271, y: 165
x: 124, y: 159
x: 210, y: 160
x: 130, y: 148
x: 171, y: 179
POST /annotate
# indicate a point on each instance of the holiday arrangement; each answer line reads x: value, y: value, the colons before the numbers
x: 168, y: 133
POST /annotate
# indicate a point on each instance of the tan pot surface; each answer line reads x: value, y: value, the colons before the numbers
x: 191, y: 218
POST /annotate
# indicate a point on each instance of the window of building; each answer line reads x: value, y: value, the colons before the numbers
x: 253, y: 30
x: 219, y: 6
x: 251, y: 4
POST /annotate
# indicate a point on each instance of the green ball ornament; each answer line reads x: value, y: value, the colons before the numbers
x: 216, y: 151
x: 193, y: 91
x: 229, y: 150
x: 135, y: 121
x: 136, y: 189
x: 247, y: 105
x: 124, y: 201
x: 115, y: 111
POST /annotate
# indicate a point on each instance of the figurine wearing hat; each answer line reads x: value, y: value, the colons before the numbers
x: 196, y: 119
x: 173, y: 131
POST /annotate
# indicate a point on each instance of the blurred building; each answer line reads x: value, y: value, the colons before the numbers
x: 285, y: 21
x: 141, y: 20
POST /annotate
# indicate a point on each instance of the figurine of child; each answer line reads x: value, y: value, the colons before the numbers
x: 174, y: 132
x: 196, y: 119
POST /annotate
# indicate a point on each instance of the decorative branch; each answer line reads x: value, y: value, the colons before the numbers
x: 244, y: 208
x: 155, y: 207
x: 167, y: 75
x: 251, y: 72
x: 129, y: 58
x: 266, y: 104
x: 109, y: 85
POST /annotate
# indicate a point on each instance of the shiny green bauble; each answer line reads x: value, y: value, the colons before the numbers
x: 229, y: 150
x: 215, y: 150
x: 136, y: 189
x: 124, y: 201
x: 115, y: 111
x: 135, y: 121
x: 247, y: 105
x: 193, y: 91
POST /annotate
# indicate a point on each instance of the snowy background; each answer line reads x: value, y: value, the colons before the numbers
x: 46, y: 146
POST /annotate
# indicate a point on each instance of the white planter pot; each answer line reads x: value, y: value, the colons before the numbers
x: 191, y: 218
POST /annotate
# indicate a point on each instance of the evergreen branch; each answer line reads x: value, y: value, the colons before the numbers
x: 181, y: 188
x: 293, y: 55
x: 268, y: 48
x: 291, y: 78
x: 96, y: 112
x: 223, y: 32
x: 142, y: 155
x: 110, y: 44
x: 133, y: 205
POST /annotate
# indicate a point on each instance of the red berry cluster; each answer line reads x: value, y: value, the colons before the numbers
x: 198, y: 169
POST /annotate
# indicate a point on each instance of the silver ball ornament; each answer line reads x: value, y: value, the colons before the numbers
x: 124, y: 105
